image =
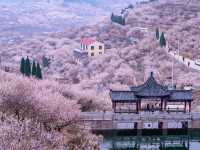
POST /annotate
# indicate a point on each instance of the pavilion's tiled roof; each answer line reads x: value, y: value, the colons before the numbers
x: 151, y: 88
x: 136, y: 88
x: 123, y: 96
x: 181, y: 95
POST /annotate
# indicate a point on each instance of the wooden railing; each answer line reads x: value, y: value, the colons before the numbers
x: 141, y: 116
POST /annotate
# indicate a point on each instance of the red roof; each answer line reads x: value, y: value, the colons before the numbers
x: 87, y: 41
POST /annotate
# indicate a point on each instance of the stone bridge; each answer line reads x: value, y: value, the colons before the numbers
x: 143, y: 120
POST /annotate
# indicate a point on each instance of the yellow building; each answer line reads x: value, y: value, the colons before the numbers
x: 92, y: 47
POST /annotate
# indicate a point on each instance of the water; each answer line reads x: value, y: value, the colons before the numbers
x: 151, y: 143
x: 172, y: 142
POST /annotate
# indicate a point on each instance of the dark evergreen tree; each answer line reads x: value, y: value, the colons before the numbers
x: 38, y: 71
x: 162, y: 40
x: 27, y: 67
x: 130, y: 6
x: 34, y: 69
x: 22, y: 66
x: 46, y: 61
x: 118, y: 19
x: 112, y: 16
x: 157, y: 34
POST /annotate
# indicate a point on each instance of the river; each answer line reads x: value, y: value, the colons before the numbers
x: 172, y: 142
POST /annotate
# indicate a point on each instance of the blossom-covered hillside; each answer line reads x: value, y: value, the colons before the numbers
x: 43, y: 114
x: 132, y: 51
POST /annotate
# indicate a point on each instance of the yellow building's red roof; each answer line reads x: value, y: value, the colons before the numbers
x: 87, y: 41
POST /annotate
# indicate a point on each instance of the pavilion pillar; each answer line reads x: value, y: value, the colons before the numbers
x: 137, y: 107
x: 190, y: 106
x: 114, y: 106
x: 185, y: 106
x: 161, y: 104
x: 165, y: 105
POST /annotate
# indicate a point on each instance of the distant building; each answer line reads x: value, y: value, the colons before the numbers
x: 8, y: 67
x: 89, y: 48
x: 189, y: 87
x: 80, y: 56
x: 92, y: 47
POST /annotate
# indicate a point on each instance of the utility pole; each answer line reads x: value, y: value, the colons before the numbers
x: 198, y: 48
x: 151, y: 66
x: 172, y: 72
x: 178, y: 48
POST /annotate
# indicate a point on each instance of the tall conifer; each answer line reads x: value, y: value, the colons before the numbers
x: 112, y: 16
x: 34, y: 69
x: 38, y: 71
x: 22, y: 66
x: 27, y: 67
x: 162, y: 40
x: 157, y: 34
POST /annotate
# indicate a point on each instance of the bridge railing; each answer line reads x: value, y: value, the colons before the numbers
x: 96, y: 116
x: 141, y: 116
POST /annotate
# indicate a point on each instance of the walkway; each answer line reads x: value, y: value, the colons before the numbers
x: 186, y: 61
x: 141, y: 116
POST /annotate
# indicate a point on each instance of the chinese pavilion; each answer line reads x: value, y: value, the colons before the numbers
x: 151, y: 96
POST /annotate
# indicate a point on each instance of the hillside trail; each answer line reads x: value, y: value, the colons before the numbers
x: 185, y: 61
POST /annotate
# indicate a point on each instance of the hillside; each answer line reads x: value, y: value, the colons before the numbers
x: 21, y: 19
x: 38, y: 16
x: 126, y: 62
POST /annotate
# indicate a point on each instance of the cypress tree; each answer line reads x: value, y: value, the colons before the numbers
x: 157, y: 34
x: 162, y: 40
x: 38, y: 71
x: 22, y: 66
x: 112, y: 16
x: 34, y: 69
x: 27, y: 67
